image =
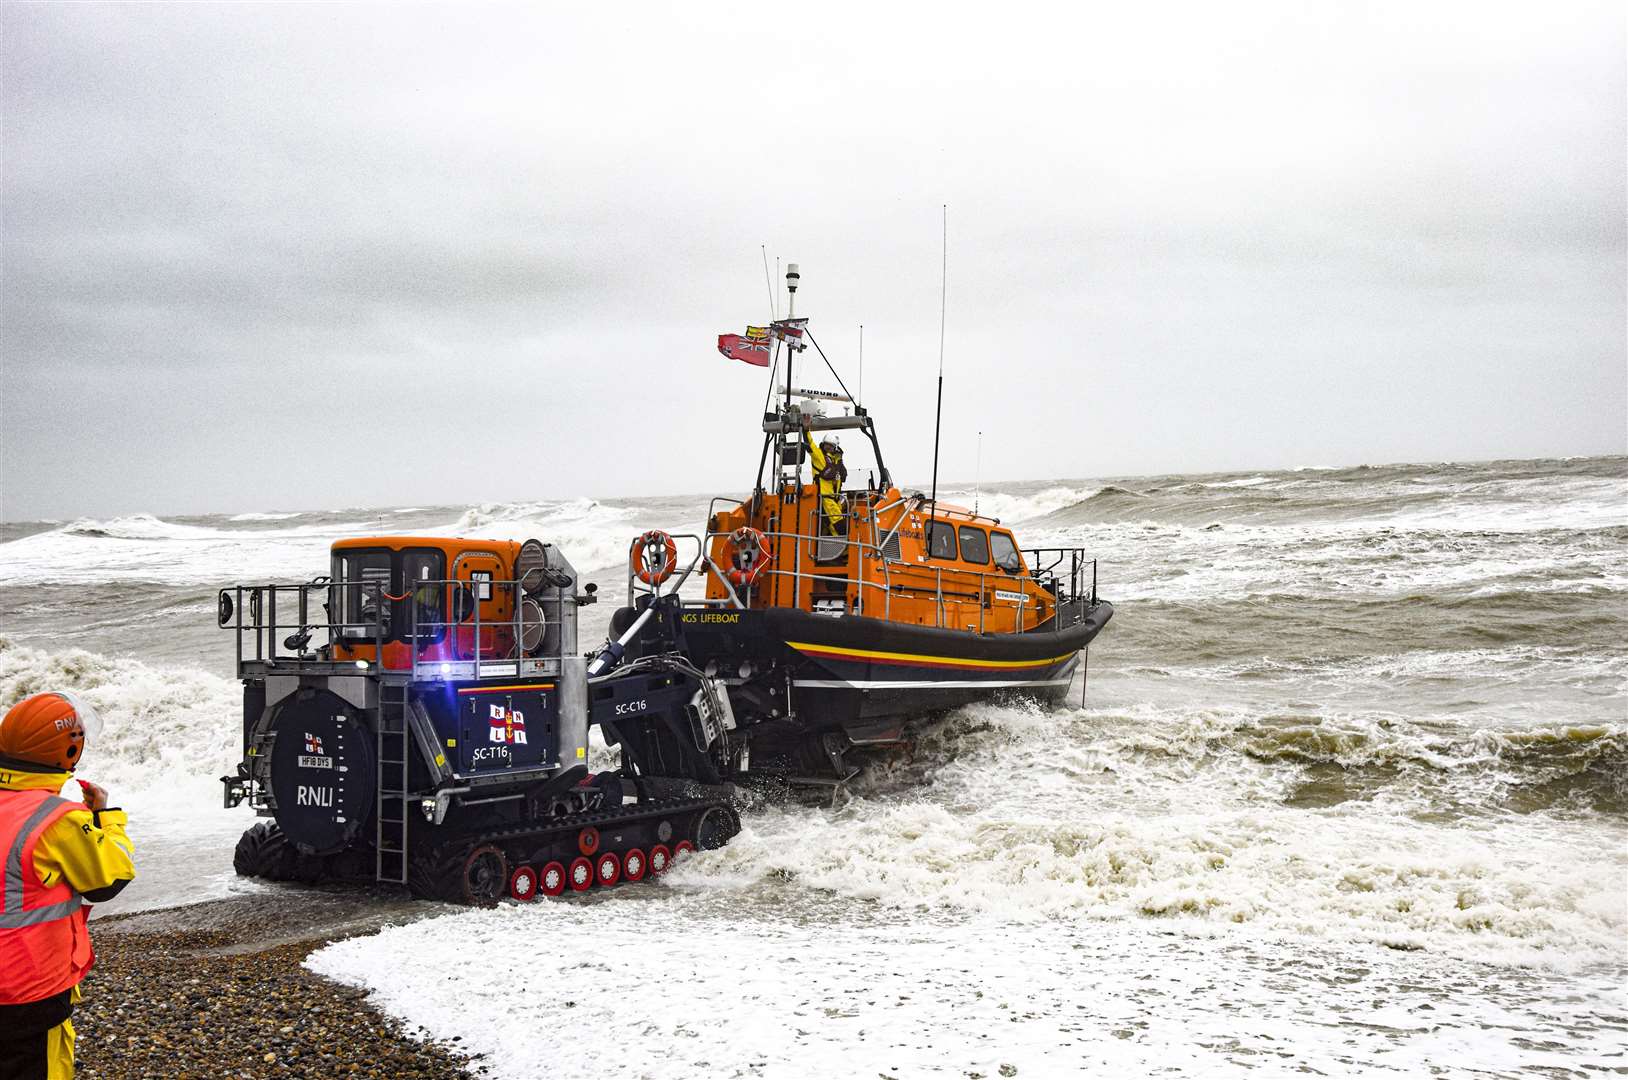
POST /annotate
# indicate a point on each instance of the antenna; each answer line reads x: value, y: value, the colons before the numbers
x: 774, y: 369
x: 768, y: 281
x: 978, y: 475
x: 938, y: 414
x: 792, y: 278
x: 860, y: 395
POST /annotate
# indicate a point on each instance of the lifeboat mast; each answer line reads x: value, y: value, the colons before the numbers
x: 783, y: 430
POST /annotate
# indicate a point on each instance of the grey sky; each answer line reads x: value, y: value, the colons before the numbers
x: 298, y: 256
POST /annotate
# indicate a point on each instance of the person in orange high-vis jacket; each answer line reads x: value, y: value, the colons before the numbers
x: 57, y: 857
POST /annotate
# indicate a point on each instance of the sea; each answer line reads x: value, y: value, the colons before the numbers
x: 1342, y: 791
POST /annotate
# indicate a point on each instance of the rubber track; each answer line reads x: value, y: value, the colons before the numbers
x: 437, y: 869
x: 578, y: 821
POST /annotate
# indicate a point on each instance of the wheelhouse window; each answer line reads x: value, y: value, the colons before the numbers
x: 974, y: 545
x: 423, y: 570
x: 1006, y: 552
x: 940, y: 540
x: 363, y: 578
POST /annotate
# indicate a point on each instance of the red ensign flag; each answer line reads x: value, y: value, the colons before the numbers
x: 744, y: 349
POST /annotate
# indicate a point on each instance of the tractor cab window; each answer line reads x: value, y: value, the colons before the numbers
x: 1006, y: 552
x: 940, y: 540
x: 363, y: 579
x: 974, y: 545
x: 422, y: 572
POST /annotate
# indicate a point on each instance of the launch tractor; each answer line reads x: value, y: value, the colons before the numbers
x: 419, y: 716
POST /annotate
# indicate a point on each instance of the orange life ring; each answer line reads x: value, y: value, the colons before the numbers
x: 645, y: 568
x: 748, y: 554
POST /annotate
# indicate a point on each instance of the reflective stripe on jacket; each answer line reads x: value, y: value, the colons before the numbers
x: 44, y: 942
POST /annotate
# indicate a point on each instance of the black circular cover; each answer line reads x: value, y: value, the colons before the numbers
x: 322, y: 771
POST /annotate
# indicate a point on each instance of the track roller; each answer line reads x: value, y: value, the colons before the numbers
x: 523, y: 883
x: 607, y: 869
x: 660, y: 859
x: 553, y: 879
x: 581, y: 875
x: 634, y: 864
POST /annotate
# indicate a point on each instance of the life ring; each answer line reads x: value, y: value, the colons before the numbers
x: 748, y: 555
x: 645, y: 566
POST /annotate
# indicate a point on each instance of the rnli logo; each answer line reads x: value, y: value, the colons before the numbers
x: 505, y: 725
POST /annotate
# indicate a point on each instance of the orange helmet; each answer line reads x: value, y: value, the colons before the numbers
x: 48, y: 730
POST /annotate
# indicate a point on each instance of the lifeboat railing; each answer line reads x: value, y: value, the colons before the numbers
x: 682, y: 568
x: 1060, y: 572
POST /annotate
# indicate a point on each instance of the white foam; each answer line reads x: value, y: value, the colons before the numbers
x: 1013, y: 509
x: 259, y: 516
x: 148, y: 549
x: 671, y: 983
x: 1114, y: 823
x: 136, y: 527
x: 1155, y: 560
x: 1245, y: 482
x: 1069, y: 893
x: 592, y: 534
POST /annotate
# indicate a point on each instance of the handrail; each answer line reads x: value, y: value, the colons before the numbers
x: 456, y: 657
x: 635, y: 586
x: 1046, y: 580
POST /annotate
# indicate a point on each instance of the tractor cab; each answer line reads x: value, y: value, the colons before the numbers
x: 405, y: 603
x: 426, y: 607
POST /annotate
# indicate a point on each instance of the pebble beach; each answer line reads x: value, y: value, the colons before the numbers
x: 218, y: 990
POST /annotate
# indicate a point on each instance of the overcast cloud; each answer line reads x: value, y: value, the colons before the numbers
x: 309, y: 256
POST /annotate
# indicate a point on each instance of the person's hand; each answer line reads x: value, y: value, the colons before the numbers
x: 95, y: 794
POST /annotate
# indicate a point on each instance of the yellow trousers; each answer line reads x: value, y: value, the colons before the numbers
x: 46, y: 1056
x: 833, y: 512
x: 59, y: 1052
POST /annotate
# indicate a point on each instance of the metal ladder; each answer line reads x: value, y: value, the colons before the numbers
x: 261, y: 796
x: 392, y: 745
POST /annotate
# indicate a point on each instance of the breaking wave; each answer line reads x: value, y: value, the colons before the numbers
x: 259, y: 516
x: 136, y: 527
x: 167, y: 731
x: 1035, y: 815
x: 1513, y: 497
x: 1014, y: 507
x: 592, y: 534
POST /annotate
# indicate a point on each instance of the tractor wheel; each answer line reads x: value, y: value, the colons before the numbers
x: 263, y: 851
x: 715, y: 826
x: 436, y: 873
x: 485, y: 876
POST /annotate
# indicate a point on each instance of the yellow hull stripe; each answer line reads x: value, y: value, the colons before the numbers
x: 914, y: 658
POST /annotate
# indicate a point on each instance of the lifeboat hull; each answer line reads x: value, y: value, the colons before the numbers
x: 868, y: 678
